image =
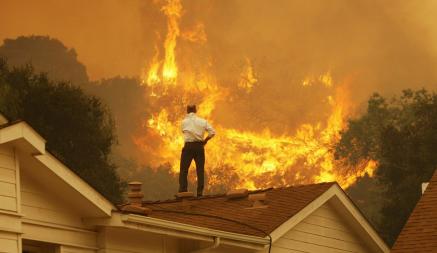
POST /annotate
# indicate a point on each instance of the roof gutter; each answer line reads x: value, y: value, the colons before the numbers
x: 213, y: 246
x: 205, y: 234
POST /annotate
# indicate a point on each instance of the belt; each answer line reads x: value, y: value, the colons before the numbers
x: 193, y: 143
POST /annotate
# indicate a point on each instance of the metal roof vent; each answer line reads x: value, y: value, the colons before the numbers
x: 237, y: 194
x: 184, y: 195
x: 258, y: 199
x: 184, y: 198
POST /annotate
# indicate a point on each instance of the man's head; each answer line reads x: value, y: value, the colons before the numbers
x: 191, y: 108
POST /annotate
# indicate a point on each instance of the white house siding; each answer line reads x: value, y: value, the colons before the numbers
x: 228, y: 249
x: 10, y: 225
x: 119, y: 240
x: 9, y: 242
x: 71, y: 249
x: 322, y: 231
x: 8, y: 182
x: 49, y: 218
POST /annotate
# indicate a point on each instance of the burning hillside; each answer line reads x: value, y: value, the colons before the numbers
x: 237, y: 156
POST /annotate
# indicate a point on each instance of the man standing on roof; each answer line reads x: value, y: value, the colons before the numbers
x: 193, y: 129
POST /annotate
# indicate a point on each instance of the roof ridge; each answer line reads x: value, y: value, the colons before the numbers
x: 219, y: 195
x: 208, y: 211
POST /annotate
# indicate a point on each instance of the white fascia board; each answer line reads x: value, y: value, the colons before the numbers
x: 22, y: 131
x: 302, y: 214
x: 334, y: 191
x: 194, y: 229
x: 171, y: 228
x: 23, y: 134
x: 358, y: 216
x: 77, y: 183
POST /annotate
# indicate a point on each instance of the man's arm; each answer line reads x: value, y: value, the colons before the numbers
x: 211, y: 133
x: 183, y: 125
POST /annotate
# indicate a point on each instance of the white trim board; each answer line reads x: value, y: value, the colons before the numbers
x: 24, y: 137
x: 335, y: 192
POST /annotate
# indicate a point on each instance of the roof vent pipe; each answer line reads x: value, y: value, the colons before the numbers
x: 135, y: 197
x: 424, y: 186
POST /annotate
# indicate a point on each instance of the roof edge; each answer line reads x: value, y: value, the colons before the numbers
x: 23, y: 135
x: 361, y: 219
x: 334, y: 191
x: 302, y: 214
x: 13, y: 132
x: 409, y: 230
x: 139, y: 219
x: 76, y: 182
x: 161, y: 226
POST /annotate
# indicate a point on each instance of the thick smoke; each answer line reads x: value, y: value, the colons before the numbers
x: 109, y: 36
x: 368, y: 45
x: 385, y: 44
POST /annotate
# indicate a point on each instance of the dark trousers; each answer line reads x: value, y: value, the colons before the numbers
x: 192, y: 150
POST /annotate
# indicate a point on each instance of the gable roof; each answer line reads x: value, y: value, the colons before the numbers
x: 420, y: 232
x: 22, y: 136
x: 236, y: 216
x: 286, y: 207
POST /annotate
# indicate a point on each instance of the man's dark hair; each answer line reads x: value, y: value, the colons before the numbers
x: 191, y: 108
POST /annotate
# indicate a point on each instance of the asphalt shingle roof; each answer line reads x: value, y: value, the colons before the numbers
x: 236, y: 215
x: 419, y: 234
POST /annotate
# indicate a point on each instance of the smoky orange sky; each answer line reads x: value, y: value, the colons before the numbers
x: 373, y: 46
x: 383, y: 46
x: 389, y: 43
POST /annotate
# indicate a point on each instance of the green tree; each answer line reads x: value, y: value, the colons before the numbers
x: 401, y: 134
x: 46, y: 55
x: 126, y: 99
x: 78, y: 128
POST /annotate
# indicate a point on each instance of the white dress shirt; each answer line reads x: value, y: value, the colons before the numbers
x: 194, y: 128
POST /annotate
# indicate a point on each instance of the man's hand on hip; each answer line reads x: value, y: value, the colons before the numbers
x: 206, y: 140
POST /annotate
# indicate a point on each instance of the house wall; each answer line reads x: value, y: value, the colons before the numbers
x: 10, y: 215
x: 49, y: 218
x: 120, y: 240
x: 34, y: 215
x: 227, y: 249
x: 322, y: 231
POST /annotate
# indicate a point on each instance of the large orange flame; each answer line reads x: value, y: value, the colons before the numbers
x: 239, y: 158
